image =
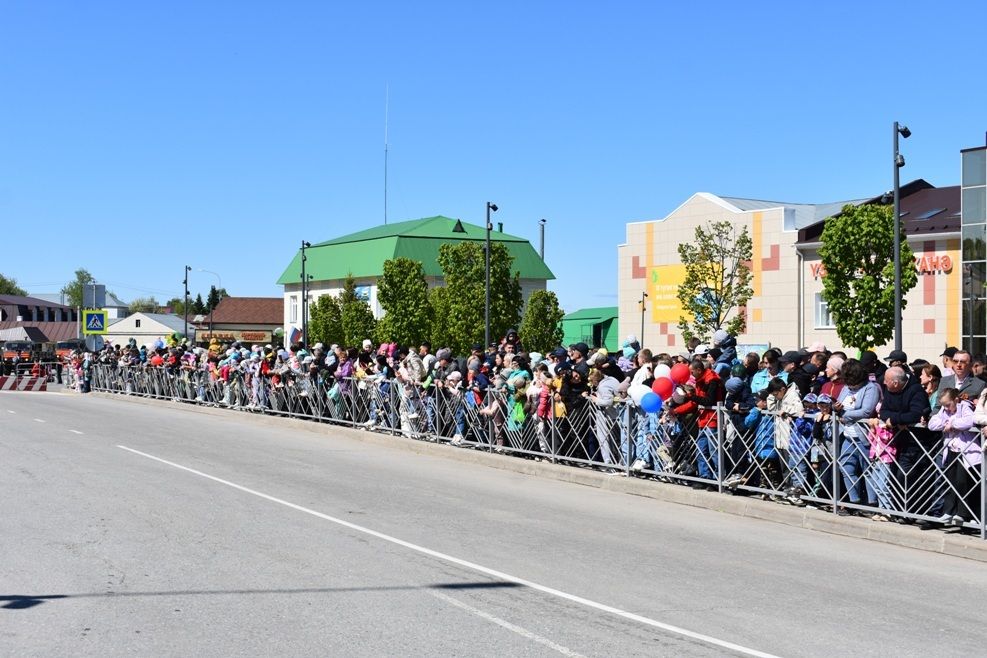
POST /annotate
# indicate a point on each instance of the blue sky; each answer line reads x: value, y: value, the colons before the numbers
x: 136, y: 138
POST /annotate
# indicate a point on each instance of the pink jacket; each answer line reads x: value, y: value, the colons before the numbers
x: 961, y: 437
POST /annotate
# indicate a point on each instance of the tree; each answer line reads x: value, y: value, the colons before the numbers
x: 215, y: 296
x: 10, y: 287
x: 198, y: 306
x: 325, y: 323
x: 73, y: 289
x: 438, y: 302
x: 717, y: 281
x: 541, y: 328
x: 177, y: 305
x: 463, y: 269
x: 857, y: 254
x: 143, y: 305
x: 403, y: 294
x: 358, y: 319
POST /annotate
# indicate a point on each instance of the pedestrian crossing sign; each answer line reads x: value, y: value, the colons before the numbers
x: 93, y: 322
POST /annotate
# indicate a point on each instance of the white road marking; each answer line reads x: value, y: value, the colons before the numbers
x: 38, y: 420
x: 523, y: 632
x: 500, y: 575
x: 75, y: 431
x: 11, y: 411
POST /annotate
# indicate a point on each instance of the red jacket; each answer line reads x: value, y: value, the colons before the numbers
x: 709, y: 391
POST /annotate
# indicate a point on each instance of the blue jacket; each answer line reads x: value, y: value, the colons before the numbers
x: 764, y: 435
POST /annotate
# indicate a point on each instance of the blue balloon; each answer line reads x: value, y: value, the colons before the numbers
x: 651, y: 403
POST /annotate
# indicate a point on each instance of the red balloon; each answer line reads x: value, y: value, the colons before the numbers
x: 663, y: 388
x: 680, y: 373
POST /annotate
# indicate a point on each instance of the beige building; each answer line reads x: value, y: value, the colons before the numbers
x: 786, y: 309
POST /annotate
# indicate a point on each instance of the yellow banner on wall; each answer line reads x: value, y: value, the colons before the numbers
x: 663, y: 288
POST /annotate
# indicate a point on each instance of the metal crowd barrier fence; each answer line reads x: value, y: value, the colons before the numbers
x: 905, y: 473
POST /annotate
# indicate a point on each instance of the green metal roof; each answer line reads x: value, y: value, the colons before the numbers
x: 362, y: 254
x: 601, y: 312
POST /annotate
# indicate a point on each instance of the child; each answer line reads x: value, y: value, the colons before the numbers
x: 764, y: 454
x: 961, y: 456
x: 798, y: 456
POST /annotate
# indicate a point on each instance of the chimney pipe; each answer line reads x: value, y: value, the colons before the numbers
x: 500, y: 227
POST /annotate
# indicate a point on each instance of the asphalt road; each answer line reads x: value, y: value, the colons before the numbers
x: 148, y: 530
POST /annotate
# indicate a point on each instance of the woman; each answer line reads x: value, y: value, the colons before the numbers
x: 834, y: 386
x: 858, y: 405
x: 931, y: 376
x: 770, y: 368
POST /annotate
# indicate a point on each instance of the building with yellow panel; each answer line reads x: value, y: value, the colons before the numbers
x: 787, y: 309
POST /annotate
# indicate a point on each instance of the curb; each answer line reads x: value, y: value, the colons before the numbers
x: 972, y: 548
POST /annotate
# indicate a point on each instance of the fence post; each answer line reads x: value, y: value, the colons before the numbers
x: 835, y: 460
x: 983, y: 501
x: 720, y: 416
x: 631, y: 436
x: 551, y: 426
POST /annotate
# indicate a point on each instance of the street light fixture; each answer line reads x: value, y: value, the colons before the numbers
x: 219, y: 279
x: 491, y: 207
x: 305, y: 245
x: 899, y: 162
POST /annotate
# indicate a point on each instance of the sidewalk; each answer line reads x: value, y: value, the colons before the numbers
x: 934, y: 541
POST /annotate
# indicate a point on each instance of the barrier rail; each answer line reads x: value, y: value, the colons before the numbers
x: 907, y: 474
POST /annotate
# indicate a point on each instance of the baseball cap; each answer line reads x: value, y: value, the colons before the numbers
x: 949, y: 352
x: 790, y: 356
x: 897, y: 355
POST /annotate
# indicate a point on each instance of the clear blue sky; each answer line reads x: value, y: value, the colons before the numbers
x: 136, y: 138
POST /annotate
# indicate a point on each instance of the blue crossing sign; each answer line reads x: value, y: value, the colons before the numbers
x: 93, y: 322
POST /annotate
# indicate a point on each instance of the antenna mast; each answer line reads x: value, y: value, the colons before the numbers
x: 386, y: 101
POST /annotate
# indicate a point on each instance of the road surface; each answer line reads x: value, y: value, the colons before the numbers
x: 152, y: 530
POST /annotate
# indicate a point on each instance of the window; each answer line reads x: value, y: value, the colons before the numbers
x: 293, y: 310
x: 137, y: 324
x: 929, y: 214
x: 823, y: 319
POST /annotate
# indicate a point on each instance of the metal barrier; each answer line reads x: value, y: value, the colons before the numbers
x: 908, y: 474
x: 48, y: 370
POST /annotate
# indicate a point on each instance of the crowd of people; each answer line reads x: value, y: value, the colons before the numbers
x: 890, y: 439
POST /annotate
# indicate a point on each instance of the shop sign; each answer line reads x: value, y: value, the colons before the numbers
x: 246, y: 336
x: 925, y: 264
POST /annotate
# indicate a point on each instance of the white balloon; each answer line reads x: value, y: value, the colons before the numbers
x: 661, y: 370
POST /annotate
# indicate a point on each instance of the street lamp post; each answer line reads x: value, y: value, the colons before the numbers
x: 219, y: 280
x: 187, y: 270
x: 541, y: 242
x: 644, y: 296
x: 305, y: 245
x: 491, y: 207
x: 899, y: 162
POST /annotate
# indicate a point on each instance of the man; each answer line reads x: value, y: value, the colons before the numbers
x: 555, y: 358
x: 962, y: 378
x: 902, y: 406
x: 577, y: 355
x: 709, y: 391
x: 428, y: 359
x: 980, y: 367
x: 875, y: 369
x: 791, y: 364
x: 898, y: 359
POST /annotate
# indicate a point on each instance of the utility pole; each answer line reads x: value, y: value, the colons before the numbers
x: 187, y: 270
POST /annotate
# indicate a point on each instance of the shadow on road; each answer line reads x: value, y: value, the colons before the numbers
x: 24, y: 601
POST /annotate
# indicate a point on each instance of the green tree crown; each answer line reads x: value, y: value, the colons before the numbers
x: 857, y: 253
